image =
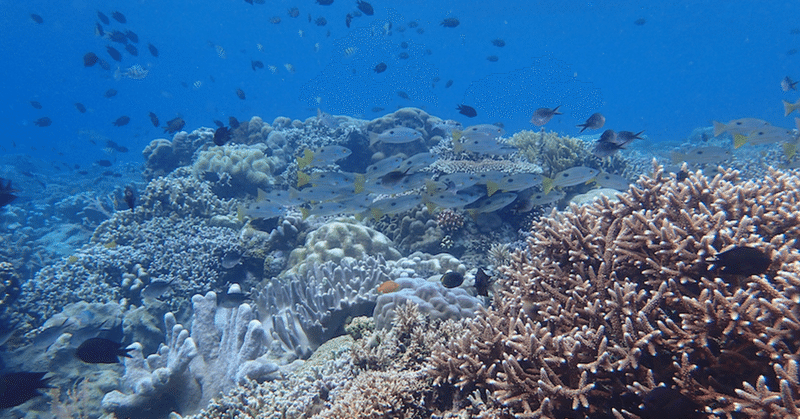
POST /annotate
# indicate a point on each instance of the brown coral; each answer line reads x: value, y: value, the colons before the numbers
x: 613, y: 298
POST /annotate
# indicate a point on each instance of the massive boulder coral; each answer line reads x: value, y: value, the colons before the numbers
x: 612, y: 299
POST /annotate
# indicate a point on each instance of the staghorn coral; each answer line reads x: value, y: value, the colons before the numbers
x: 612, y: 298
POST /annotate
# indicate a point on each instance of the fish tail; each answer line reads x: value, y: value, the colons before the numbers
x: 373, y: 138
x: 547, y: 185
x: 305, y: 212
x: 719, y: 128
x: 304, y: 161
x: 302, y: 179
x: 491, y: 188
x: 789, y: 149
x: 431, y: 206
x: 788, y: 108
x: 359, y: 182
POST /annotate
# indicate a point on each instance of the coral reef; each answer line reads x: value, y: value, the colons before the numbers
x: 432, y: 299
x: 162, y: 156
x: 611, y: 299
x: 247, y: 167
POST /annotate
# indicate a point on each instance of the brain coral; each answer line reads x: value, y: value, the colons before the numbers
x: 338, y: 239
x: 247, y: 165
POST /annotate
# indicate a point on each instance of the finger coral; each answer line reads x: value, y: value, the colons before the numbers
x: 612, y: 299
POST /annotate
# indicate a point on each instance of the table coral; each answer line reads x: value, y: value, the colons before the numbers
x: 612, y: 298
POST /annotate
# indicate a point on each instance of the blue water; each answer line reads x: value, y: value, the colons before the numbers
x: 689, y: 63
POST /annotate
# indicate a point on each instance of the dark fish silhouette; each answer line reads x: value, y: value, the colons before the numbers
x: 667, y: 403
x: 153, y: 50
x: 79, y: 106
x: 36, y: 105
x: 607, y: 144
x: 103, y: 18
x: 90, y: 59
x: 452, y: 279
x: 130, y: 197
x: 482, y: 283
x: 232, y: 300
x: 19, y: 387
x: 293, y: 12
x: 7, y: 193
x: 256, y: 64
x: 43, y: 122
x: 248, y: 1
x: 498, y: 43
x: 365, y: 7
x: 403, y: 95
x: 639, y: 22
x: 325, y: 2
x: 122, y: 120
x: 240, y: 94
x: 742, y: 260
x: 98, y: 29
x: 174, y: 125
x: 153, y: 119
x: 543, y: 115
x: 101, y: 351
x: 36, y: 18
x: 221, y: 136
x: 348, y: 19
x: 110, y: 93
x: 104, y: 64
x: 450, y: 22
x: 467, y: 111
x: 492, y: 58
x: 448, y: 84
x: 119, y: 17
x: 231, y: 259
x: 218, y: 123
x: 114, y: 53
x: 625, y: 137
x: 103, y: 163
x: 118, y: 37
x: 132, y: 36
x: 403, y: 55
x: 132, y: 50
x: 233, y: 123
x: 380, y: 68
x: 321, y: 21
x: 595, y: 121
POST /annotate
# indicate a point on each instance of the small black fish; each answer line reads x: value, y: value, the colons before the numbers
x: 43, y: 122
x: 452, y: 279
x: 103, y: 18
x: 404, y: 45
x: 221, y: 136
x: 348, y: 19
x: 104, y: 64
x: 232, y: 300
x: 119, y: 17
x: 403, y: 95
x: 132, y: 36
x: 153, y: 49
x: 101, y: 351
x: 218, y: 123
x: 450, y: 22
x: 492, y: 58
x: 681, y: 176
x: 174, y: 125
x: 321, y: 21
x: 130, y: 196
x: 110, y: 93
x: 17, y: 388
x: 256, y: 64
x: 403, y: 55
x: 742, y: 260
x: 380, y: 68
x: 103, y: 163
x: 448, y: 84
x: 114, y: 53
x: 595, y: 121
x: 365, y: 7
x: 248, y: 1
x: 36, y: 18
x: 625, y: 137
x: 79, y: 106
x: 240, y: 94
x: 36, y: 105
x: 7, y: 193
x: 122, y: 120
x: 467, y: 111
x: 132, y: 50
x: 639, y: 22
x: 98, y: 29
x: 394, y: 177
x: 667, y: 403
x: 153, y: 119
x: 118, y: 37
x: 498, y: 43
x: 377, y: 109
x: 543, y: 115
x: 325, y: 2
x: 233, y: 123
x: 482, y: 282
x: 293, y: 12
x: 231, y: 259
x: 90, y: 59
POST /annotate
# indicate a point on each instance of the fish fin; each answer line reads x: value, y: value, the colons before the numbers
x: 373, y: 138
x: 789, y: 149
x: 473, y: 213
x: 359, y: 182
x: 491, y: 188
x: 376, y: 213
x: 303, y: 179
x: 547, y: 185
x: 261, y: 195
x: 430, y: 186
x: 305, y: 212
x: 431, y: 207
x: 739, y: 140
x: 797, y: 123
x: 304, y: 161
x: 240, y: 213
x: 719, y: 128
x: 457, y: 146
x: 787, y: 108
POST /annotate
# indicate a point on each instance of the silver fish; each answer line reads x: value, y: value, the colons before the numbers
x: 543, y: 115
x: 396, y: 135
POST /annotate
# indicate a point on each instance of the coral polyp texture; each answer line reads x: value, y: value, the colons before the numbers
x: 613, y: 299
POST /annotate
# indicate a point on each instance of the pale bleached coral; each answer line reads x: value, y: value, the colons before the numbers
x: 247, y: 165
x: 612, y: 298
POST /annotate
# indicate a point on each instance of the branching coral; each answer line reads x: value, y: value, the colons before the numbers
x: 611, y: 298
